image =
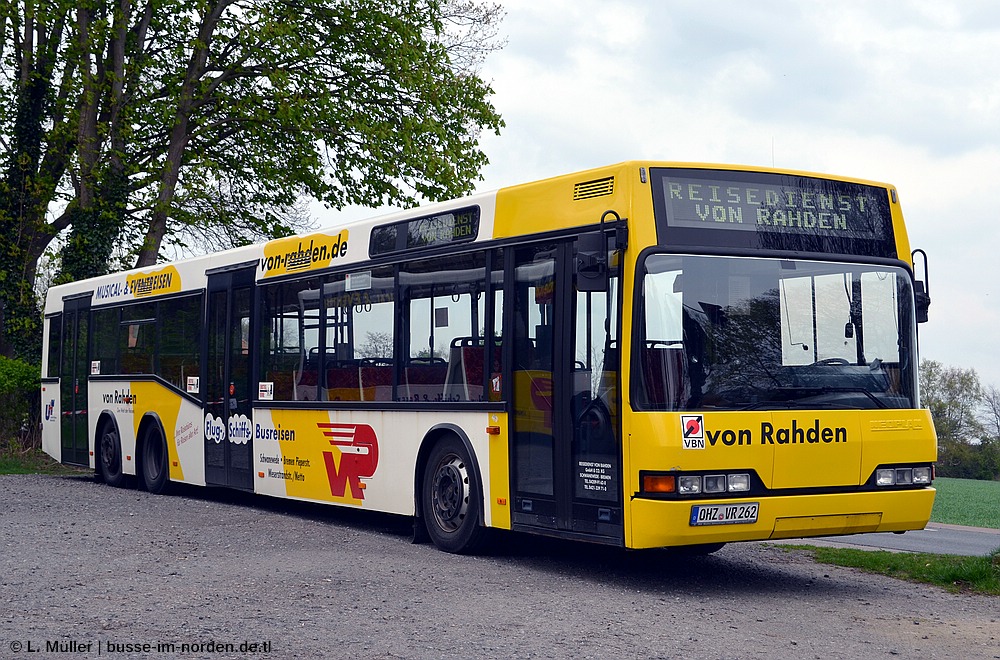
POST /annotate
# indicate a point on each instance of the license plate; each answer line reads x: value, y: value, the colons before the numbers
x: 724, y: 514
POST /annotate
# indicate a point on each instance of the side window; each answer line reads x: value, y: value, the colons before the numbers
x: 179, y: 352
x: 105, y: 330
x: 137, y: 338
x: 373, y: 310
x: 444, y: 316
x: 55, y: 345
x: 494, y: 362
x: 290, y: 356
x: 667, y: 333
x: 359, y: 319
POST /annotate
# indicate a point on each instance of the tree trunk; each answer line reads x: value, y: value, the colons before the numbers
x: 179, y: 137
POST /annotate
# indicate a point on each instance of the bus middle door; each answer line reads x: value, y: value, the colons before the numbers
x: 228, y: 395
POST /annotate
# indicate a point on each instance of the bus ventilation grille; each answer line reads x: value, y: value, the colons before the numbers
x: 597, y: 188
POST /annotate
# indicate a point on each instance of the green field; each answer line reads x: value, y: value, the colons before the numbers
x: 967, y: 502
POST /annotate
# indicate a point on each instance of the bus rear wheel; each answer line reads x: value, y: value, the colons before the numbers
x: 451, y: 497
x: 111, y: 455
x: 155, y: 459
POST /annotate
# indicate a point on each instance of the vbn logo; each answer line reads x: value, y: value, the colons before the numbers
x: 358, y: 449
x: 693, y: 431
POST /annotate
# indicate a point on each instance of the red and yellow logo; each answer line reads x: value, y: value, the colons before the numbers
x: 356, y: 447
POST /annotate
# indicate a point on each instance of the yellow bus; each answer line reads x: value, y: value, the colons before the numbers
x: 649, y: 354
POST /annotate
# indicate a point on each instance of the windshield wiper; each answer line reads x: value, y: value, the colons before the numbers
x: 879, y: 403
x: 808, y: 399
x: 794, y: 404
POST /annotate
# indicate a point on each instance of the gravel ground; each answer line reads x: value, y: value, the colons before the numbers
x: 92, y: 571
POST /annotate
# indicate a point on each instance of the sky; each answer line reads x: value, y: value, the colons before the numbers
x: 905, y: 92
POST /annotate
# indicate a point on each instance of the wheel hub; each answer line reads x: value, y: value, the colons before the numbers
x: 109, y: 450
x: 450, y: 495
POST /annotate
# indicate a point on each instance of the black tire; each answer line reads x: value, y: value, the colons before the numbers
x: 155, y: 460
x: 451, y: 498
x: 110, y: 464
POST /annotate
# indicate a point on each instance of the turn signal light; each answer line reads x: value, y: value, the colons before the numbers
x: 659, y: 483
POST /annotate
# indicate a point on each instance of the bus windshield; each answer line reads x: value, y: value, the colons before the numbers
x: 747, y: 333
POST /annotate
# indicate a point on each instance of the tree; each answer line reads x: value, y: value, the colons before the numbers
x: 967, y: 420
x: 991, y: 411
x: 173, y: 118
x: 990, y: 445
x: 953, y: 396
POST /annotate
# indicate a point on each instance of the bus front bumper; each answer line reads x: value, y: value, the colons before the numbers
x: 664, y: 523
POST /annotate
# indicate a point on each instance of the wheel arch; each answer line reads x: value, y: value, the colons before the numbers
x: 433, y: 435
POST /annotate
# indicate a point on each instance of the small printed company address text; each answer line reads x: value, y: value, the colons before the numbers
x: 106, y: 647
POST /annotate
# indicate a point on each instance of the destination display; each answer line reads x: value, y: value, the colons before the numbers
x: 772, y: 211
x: 441, y: 229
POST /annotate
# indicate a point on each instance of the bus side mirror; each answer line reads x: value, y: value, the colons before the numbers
x: 592, y: 262
x: 921, y: 291
x: 923, y: 301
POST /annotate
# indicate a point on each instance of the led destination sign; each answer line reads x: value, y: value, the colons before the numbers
x: 451, y: 227
x: 775, y: 211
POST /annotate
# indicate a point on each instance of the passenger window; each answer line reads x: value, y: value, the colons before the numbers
x: 445, y: 316
x: 290, y: 357
x: 180, y: 340
x: 360, y: 317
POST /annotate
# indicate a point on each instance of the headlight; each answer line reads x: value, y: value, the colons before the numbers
x: 921, y: 475
x: 738, y: 483
x: 715, y: 483
x: 689, y: 485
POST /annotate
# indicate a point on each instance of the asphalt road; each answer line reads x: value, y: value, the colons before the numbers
x: 935, y: 538
x: 89, y: 571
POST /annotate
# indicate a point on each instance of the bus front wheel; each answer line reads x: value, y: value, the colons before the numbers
x: 451, y: 498
x: 155, y: 468
x: 111, y: 455
x: 699, y: 550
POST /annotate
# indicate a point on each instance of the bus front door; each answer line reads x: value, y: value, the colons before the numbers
x: 566, y: 455
x: 228, y: 395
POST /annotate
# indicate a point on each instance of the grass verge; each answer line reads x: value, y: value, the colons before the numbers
x: 33, y: 461
x: 978, y: 575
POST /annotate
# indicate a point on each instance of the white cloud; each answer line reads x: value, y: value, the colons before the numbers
x: 903, y: 92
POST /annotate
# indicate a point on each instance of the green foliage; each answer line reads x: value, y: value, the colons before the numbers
x: 19, y: 391
x: 962, y: 460
x: 205, y: 125
x: 94, y: 231
x: 967, y: 502
x: 952, y: 394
